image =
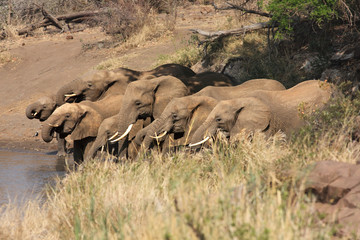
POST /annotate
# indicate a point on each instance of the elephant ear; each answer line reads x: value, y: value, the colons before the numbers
x: 251, y: 114
x: 166, y: 88
x: 88, y: 124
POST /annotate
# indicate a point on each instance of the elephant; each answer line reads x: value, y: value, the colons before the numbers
x: 182, y: 107
x: 98, y: 84
x: 81, y: 121
x: 107, y: 128
x: 181, y: 117
x: 146, y: 98
x: 265, y: 111
x: 205, y: 79
x: 225, y: 93
x: 42, y: 109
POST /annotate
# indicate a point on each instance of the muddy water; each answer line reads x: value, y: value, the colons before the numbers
x: 24, y: 175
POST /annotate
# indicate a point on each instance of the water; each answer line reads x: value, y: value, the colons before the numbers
x: 24, y: 175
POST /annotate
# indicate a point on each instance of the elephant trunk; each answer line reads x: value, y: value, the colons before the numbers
x: 31, y: 111
x: 99, y: 142
x: 47, y: 132
x: 67, y: 91
x: 205, y: 131
x: 125, y: 123
x: 154, y: 129
x: 50, y: 126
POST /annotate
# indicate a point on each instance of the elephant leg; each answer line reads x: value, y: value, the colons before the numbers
x: 78, y: 153
x: 61, y: 146
x: 133, y: 150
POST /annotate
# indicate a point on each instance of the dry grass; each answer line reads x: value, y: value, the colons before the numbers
x: 155, y: 30
x: 6, y: 57
x: 242, y: 191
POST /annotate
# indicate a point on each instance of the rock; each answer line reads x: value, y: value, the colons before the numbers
x: 346, y: 53
x: 337, y: 182
x: 206, y: 65
x: 235, y: 69
x: 307, y: 61
x: 333, y: 76
x: 201, y: 66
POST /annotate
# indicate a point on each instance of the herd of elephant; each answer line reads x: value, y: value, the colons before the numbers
x: 126, y: 111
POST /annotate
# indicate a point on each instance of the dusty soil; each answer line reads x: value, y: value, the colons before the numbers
x: 43, y: 63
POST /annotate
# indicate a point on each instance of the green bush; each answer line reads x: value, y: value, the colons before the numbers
x: 286, y: 12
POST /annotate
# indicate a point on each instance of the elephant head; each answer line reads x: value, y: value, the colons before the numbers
x: 147, y: 98
x: 182, y: 116
x: 94, y: 84
x: 41, y: 109
x: 79, y: 120
x: 106, y: 129
x: 232, y: 116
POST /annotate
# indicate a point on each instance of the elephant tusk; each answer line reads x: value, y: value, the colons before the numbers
x: 70, y: 95
x: 124, y: 135
x: 198, y: 143
x: 34, y: 114
x: 113, y: 136
x: 160, y: 136
x: 52, y: 125
x: 102, y: 148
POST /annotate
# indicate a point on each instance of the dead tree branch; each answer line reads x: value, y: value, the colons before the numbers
x: 52, y: 19
x: 232, y: 6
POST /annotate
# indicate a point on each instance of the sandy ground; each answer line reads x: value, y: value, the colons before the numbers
x: 44, y: 63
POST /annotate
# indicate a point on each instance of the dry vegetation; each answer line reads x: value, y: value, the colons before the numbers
x: 244, y: 190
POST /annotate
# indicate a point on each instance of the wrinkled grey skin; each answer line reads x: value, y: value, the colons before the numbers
x: 224, y: 93
x: 181, y: 117
x: 266, y: 111
x: 148, y: 98
x: 98, y: 84
x: 82, y: 121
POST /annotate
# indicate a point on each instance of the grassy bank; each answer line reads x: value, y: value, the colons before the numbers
x: 243, y: 190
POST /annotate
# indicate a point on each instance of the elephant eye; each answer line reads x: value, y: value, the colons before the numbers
x: 89, y: 84
x: 67, y: 115
x: 218, y: 119
x: 174, y: 116
x: 137, y: 103
x: 44, y: 106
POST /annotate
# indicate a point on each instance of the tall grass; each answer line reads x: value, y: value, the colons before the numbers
x: 246, y: 189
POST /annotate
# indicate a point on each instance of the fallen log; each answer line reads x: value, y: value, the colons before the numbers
x: 53, y: 20
x: 73, y: 17
x: 237, y: 31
